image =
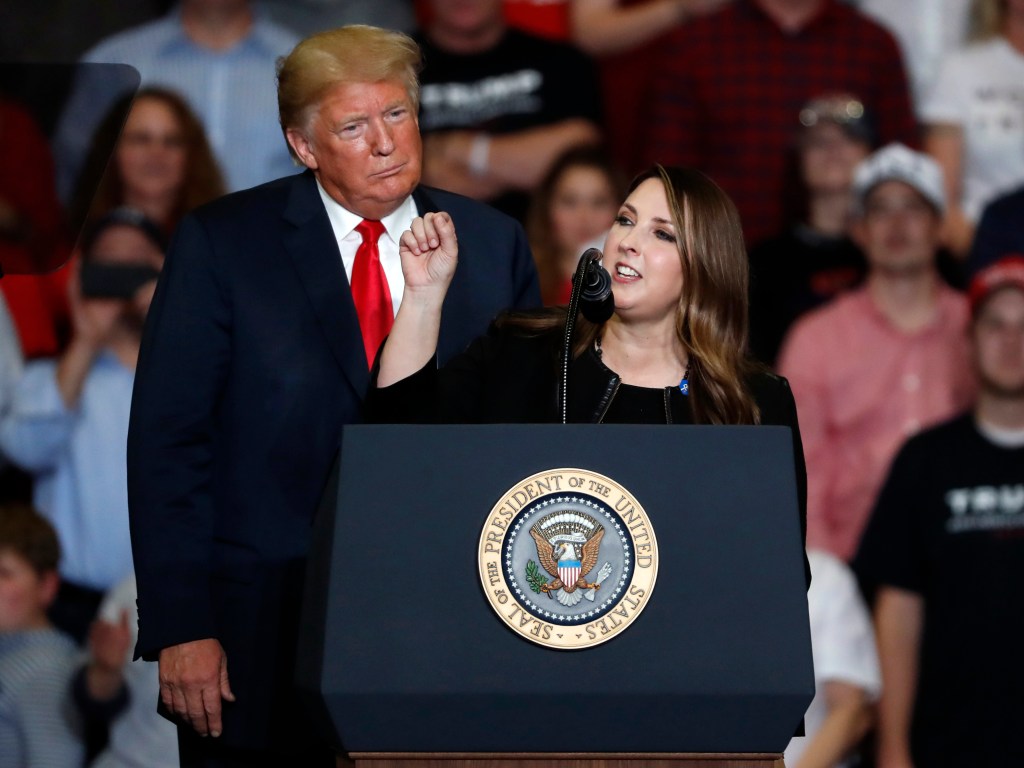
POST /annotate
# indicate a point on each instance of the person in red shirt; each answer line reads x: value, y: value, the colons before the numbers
x: 31, y: 239
x: 881, y: 362
x: 728, y: 84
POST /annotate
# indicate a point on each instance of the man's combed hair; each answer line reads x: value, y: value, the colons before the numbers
x: 30, y: 535
x: 354, y: 54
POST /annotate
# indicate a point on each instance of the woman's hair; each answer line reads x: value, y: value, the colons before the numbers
x: 538, y: 221
x: 987, y: 18
x: 711, y: 317
x: 202, y: 180
x: 353, y: 54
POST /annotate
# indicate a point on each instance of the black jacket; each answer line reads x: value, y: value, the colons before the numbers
x: 509, y: 377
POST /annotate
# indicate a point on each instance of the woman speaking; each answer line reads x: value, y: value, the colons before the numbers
x: 673, y: 351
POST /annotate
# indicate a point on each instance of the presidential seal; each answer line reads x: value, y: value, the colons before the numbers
x: 568, y: 558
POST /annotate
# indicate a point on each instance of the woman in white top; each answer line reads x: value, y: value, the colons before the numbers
x: 975, y: 116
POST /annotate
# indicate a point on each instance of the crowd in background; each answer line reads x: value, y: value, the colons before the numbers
x: 874, y: 148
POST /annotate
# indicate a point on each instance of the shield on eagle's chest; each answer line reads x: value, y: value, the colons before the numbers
x: 569, y: 573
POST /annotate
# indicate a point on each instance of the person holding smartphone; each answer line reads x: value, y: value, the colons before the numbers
x: 68, y: 420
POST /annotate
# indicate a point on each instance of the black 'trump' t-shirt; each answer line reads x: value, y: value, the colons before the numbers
x: 522, y: 82
x: 949, y: 525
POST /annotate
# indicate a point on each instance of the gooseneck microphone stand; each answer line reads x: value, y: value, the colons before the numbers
x: 592, y: 295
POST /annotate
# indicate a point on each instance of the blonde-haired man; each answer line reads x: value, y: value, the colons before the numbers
x: 270, y: 312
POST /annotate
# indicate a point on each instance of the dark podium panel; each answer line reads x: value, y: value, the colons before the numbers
x: 403, y: 653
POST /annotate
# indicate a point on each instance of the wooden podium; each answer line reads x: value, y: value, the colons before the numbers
x: 406, y: 665
x: 583, y: 760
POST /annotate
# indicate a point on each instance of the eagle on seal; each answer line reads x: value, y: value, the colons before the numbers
x: 568, y: 544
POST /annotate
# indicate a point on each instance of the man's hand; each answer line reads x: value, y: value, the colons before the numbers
x: 193, y: 680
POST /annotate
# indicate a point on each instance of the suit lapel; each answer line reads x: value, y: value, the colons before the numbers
x: 424, y: 202
x: 314, y: 253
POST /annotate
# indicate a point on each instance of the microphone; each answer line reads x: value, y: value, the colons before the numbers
x: 592, y: 296
x: 596, y: 301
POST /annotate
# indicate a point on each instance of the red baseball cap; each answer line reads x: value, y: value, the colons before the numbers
x: 1008, y: 272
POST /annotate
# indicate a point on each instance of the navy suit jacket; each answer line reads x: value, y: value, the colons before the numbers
x: 251, y: 362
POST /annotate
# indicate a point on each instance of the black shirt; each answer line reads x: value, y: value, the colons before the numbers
x: 949, y: 525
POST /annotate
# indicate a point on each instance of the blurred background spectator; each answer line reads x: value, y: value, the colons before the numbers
x: 945, y: 551
x: 728, y: 84
x: 927, y: 30
x: 814, y: 259
x: 975, y: 117
x: 112, y: 690
x: 220, y: 56
x: 879, y: 363
x: 307, y: 17
x: 68, y: 423
x: 30, y: 233
x: 62, y: 30
x: 497, y: 105
x: 1000, y: 231
x: 573, y: 207
x: 38, y: 726
x: 162, y: 164
x: 847, y: 680
x: 626, y: 38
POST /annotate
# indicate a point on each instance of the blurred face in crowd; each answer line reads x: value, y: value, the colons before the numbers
x: 899, y: 230
x: 363, y: 144
x: 466, y: 17
x: 583, y: 207
x: 151, y: 154
x: 828, y: 156
x: 642, y: 254
x: 998, y: 335
x: 24, y: 594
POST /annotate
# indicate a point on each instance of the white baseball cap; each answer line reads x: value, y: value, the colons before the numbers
x: 896, y: 162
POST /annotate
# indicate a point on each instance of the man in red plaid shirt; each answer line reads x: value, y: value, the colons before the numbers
x: 730, y: 83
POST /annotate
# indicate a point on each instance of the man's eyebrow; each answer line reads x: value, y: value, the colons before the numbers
x: 349, y: 118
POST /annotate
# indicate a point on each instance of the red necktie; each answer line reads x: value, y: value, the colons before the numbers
x: 370, y: 289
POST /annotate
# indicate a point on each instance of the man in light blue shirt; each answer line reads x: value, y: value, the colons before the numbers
x: 68, y: 420
x: 221, y: 57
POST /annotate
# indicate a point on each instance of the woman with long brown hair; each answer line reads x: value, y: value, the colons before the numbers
x: 574, y: 205
x: 674, y: 351
x: 162, y: 164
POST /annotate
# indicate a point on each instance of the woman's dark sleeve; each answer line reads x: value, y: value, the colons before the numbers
x: 455, y: 394
x: 411, y: 400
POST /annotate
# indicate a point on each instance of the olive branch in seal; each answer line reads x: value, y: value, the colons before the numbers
x: 534, y: 577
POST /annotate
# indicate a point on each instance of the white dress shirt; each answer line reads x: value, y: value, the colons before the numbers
x: 344, y: 224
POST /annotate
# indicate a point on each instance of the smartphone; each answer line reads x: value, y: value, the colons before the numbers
x: 114, y: 281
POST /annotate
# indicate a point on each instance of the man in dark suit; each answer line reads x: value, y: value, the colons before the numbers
x: 270, y: 308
